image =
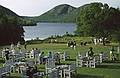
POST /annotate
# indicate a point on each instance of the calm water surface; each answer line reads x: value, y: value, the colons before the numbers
x: 45, y: 30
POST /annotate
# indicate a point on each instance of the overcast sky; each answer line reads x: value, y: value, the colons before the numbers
x: 38, y: 7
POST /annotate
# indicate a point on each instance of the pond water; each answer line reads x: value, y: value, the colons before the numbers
x: 45, y: 30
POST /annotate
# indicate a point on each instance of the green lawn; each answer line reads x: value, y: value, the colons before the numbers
x: 63, y: 47
x: 106, y: 70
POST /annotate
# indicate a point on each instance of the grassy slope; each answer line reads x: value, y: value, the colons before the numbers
x: 111, y: 70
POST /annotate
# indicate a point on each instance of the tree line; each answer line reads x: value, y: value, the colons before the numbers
x: 100, y: 21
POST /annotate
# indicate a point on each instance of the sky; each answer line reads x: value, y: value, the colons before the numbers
x: 38, y: 7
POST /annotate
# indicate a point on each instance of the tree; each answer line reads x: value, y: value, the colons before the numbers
x: 98, y: 20
x: 10, y: 31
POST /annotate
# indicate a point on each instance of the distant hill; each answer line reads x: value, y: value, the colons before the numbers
x: 21, y: 20
x: 61, y: 13
x: 8, y: 11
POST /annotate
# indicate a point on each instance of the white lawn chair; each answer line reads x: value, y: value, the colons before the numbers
x: 54, y: 73
x: 50, y: 64
x: 94, y: 61
x: 82, y: 61
x: 71, y: 69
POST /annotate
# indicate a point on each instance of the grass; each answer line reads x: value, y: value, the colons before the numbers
x: 63, y: 48
x: 102, y: 72
x: 14, y: 75
x: 106, y: 70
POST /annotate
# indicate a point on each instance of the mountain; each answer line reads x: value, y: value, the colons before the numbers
x: 60, y: 13
x: 63, y: 13
x: 23, y: 21
x: 8, y: 12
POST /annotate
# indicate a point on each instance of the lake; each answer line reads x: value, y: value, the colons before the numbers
x: 45, y: 30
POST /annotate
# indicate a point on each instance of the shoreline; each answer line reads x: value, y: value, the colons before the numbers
x: 28, y: 39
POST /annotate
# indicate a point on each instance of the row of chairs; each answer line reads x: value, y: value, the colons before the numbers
x: 59, y: 71
x: 90, y: 61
